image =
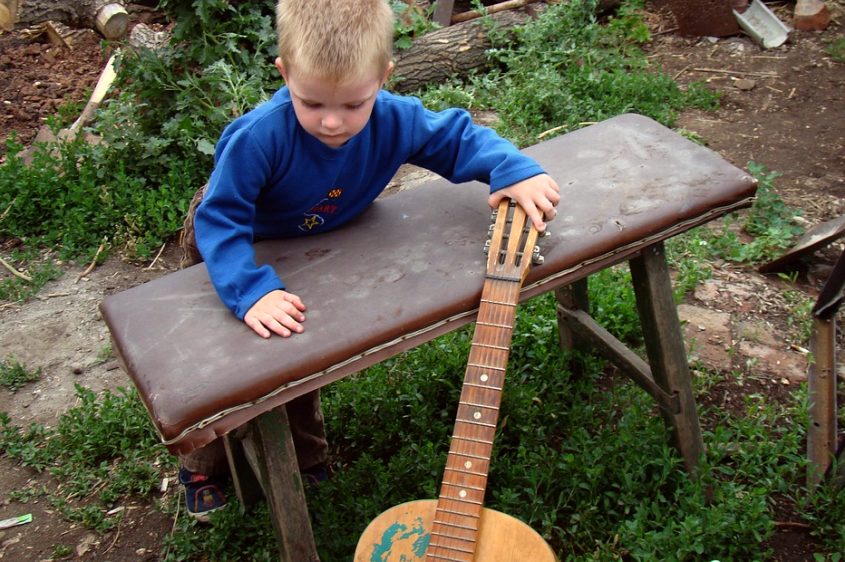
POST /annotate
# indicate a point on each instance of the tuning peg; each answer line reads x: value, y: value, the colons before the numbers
x: 486, y: 247
x: 536, y: 258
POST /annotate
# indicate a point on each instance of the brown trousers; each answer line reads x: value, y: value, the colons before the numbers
x: 304, y: 413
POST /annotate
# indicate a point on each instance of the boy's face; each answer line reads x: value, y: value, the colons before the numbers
x: 331, y: 112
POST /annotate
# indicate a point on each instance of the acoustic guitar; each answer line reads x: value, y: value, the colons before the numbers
x: 456, y: 527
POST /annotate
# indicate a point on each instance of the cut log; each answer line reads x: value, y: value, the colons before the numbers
x: 109, y: 17
x: 451, y: 51
x: 63, y: 36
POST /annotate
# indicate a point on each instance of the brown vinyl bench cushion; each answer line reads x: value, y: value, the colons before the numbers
x: 409, y: 269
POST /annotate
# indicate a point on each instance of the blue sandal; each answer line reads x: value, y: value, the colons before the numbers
x: 203, y: 494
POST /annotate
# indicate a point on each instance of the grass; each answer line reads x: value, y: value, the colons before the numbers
x: 581, y: 457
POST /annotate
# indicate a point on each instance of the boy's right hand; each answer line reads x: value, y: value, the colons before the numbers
x: 277, y: 312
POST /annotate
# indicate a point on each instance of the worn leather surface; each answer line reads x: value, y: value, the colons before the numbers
x: 409, y: 269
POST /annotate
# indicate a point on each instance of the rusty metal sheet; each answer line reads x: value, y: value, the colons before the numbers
x: 815, y: 238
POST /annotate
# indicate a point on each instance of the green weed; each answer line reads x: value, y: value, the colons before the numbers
x: 836, y: 49
x: 15, y: 376
x: 105, y: 446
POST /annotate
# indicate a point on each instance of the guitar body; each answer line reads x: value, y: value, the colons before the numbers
x: 402, y: 534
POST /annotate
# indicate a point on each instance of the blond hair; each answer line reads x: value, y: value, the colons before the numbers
x: 335, y: 39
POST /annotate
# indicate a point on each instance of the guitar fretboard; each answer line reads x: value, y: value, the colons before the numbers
x: 455, y: 529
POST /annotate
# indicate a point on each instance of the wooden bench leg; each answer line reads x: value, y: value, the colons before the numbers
x: 268, y: 447
x: 246, y: 484
x: 570, y: 297
x: 821, y: 383
x: 665, y: 348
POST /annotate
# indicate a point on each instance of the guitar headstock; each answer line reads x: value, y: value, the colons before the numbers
x: 512, y: 244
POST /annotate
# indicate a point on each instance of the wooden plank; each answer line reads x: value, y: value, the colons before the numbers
x: 821, y: 384
x: 621, y: 356
x: 665, y: 348
x: 278, y: 471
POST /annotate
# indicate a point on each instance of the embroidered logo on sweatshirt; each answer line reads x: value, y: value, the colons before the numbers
x: 316, y: 215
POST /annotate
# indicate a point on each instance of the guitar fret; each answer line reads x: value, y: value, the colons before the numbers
x: 484, y: 386
x: 442, y: 557
x: 473, y: 440
x: 473, y: 502
x: 456, y: 526
x: 480, y: 366
x: 494, y: 325
x: 460, y: 513
x: 499, y: 347
x: 476, y: 488
x: 455, y: 548
x: 478, y: 423
x: 462, y: 471
x: 469, y: 455
x: 475, y: 405
x: 500, y: 303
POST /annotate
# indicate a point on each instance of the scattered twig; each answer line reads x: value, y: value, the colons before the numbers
x: 93, y: 263
x: 116, y: 536
x: 173, y: 529
x: 737, y: 72
x: 9, y: 208
x: 793, y: 524
x: 160, y: 250
x: 54, y: 295
x: 550, y: 131
x: 665, y: 31
x: 15, y: 272
x: 684, y: 69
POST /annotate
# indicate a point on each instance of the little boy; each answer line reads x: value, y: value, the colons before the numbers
x: 312, y: 158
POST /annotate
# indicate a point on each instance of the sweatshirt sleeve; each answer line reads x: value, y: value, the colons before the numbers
x: 224, y: 222
x: 450, y: 144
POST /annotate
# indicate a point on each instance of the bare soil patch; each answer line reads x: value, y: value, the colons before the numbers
x: 783, y: 108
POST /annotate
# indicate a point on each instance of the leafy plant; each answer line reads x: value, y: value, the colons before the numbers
x: 104, y: 445
x: 15, y: 376
x: 412, y: 21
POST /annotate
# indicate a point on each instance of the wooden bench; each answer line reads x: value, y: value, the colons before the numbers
x: 408, y: 270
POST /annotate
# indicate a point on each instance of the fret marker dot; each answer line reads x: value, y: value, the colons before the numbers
x: 462, y: 493
x: 468, y: 464
x: 477, y: 415
x: 484, y: 378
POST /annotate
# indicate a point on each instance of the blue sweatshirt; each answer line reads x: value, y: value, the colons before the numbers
x: 272, y: 179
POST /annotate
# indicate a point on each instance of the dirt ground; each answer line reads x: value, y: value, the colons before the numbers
x: 782, y: 108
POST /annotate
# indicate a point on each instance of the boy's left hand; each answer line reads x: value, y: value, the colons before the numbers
x: 537, y: 195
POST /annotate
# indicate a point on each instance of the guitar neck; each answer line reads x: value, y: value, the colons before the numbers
x: 459, y: 506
